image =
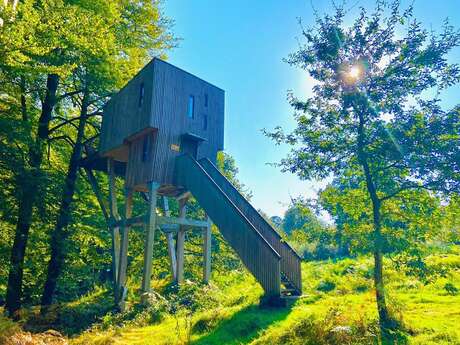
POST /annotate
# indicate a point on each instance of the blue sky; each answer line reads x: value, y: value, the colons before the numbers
x: 239, y: 46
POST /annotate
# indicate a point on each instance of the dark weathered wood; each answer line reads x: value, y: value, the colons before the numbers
x: 257, y: 254
x: 139, y: 167
x: 290, y: 260
x: 181, y: 241
x: 163, y: 111
x: 123, y: 263
x: 115, y: 229
x: 170, y: 242
x: 149, y: 236
x: 207, y: 252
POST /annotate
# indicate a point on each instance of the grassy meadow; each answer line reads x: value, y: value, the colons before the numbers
x: 338, y: 307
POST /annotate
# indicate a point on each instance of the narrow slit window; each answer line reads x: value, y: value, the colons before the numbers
x: 205, y: 99
x: 145, y: 149
x: 141, y: 95
x: 205, y: 122
x: 191, y: 106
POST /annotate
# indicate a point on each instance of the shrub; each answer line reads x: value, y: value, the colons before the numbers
x: 326, y: 286
x: 451, y: 289
x: 207, y: 322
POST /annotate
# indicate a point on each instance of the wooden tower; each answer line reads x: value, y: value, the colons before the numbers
x: 162, y: 132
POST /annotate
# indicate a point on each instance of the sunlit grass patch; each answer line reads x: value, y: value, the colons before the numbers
x: 227, y: 311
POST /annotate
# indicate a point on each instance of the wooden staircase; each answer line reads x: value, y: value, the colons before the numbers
x: 274, y: 264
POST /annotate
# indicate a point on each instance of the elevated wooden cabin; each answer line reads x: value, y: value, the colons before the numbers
x: 161, y: 113
x: 162, y: 132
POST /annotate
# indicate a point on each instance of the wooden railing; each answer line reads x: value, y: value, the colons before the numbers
x: 290, y: 260
x: 260, y: 258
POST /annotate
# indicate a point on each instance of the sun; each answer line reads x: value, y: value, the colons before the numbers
x: 354, y: 72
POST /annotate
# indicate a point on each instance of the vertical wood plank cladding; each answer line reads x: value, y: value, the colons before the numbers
x: 256, y: 253
x: 173, y: 87
x: 122, y: 114
x: 167, y: 90
x: 290, y: 260
x: 139, y: 170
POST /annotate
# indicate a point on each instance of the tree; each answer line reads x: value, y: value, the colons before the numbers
x: 411, y: 222
x: 370, y: 113
x: 227, y: 165
x: 299, y: 216
x: 93, y: 82
x: 312, y: 238
x: 37, y: 48
x: 51, y: 52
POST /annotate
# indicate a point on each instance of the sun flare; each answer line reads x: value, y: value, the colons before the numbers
x: 354, y: 72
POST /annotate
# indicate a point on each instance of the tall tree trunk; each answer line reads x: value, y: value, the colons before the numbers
x: 385, y: 320
x: 60, y: 232
x: 27, y: 187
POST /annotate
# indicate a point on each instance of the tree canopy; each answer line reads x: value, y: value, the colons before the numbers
x: 375, y: 116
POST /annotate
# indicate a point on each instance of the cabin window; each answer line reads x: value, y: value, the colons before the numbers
x: 141, y: 95
x: 205, y: 122
x: 205, y: 99
x: 145, y: 149
x: 191, y: 106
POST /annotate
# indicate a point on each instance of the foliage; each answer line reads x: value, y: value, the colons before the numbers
x: 371, y: 121
x: 300, y: 216
x: 227, y: 165
x: 89, y: 49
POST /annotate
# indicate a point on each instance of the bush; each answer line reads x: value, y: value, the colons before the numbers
x: 326, y: 286
x: 207, y: 322
x: 451, y: 289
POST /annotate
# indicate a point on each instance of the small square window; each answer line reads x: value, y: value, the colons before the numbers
x: 191, y: 107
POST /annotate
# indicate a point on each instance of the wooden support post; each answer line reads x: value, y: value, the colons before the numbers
x: 207, y: 252
x: 149, y: 237
x: 115, y: 230
x: 181, y: 241
x: 170, y: 241
x: 123, y: 264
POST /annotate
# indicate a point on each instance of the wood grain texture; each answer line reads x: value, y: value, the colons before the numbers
x: 290, y: 260
x: 255, y: 252
x: 166, y: 94
x: 149, y: 237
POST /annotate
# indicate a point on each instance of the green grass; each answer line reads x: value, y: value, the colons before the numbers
x: 338, y: 308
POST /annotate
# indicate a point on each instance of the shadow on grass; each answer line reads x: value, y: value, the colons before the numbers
x: 74, y: 317
x: 243, y: 326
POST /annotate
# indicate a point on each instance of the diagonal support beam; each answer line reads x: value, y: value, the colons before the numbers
x: 123, y: 263
x: 115, y: 229
x: 207, y: 252
x: 97, y: 192
x: 170, y: 241
x: 181, y: 241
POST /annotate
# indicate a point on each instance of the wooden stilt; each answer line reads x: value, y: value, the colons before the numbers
x: 149, y: 237
x: 172, y: 254
x: 207, y: 252
x: 181, y: 241
x: 170, y: 241
x: 122, y: 266
x: 115, y: 230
